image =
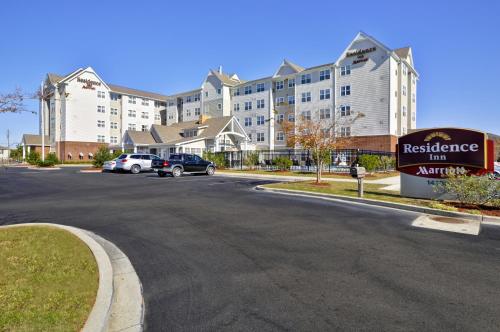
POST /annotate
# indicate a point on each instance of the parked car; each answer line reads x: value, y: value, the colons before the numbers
x: 183, y: 162
x: 110, y: 165
x: 135, y: 162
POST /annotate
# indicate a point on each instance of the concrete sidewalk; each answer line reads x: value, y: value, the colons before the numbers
x: 390, y: 181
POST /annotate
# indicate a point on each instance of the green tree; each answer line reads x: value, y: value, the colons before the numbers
x: 369, y: 162
x: 33, y: 157
x: 387, y: 163
x: 116, y: 154
x: 252, y: 159
x: 17, y: 154
x: 101, y: 156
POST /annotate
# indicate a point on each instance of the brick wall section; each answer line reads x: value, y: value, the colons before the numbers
x: 39, y: 149
x: 385, y: 143
x: 75, y: 148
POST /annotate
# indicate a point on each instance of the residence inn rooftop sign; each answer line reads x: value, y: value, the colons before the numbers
x: 431, y: 154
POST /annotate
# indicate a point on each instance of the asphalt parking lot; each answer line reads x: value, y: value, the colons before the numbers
x: 215, y: 255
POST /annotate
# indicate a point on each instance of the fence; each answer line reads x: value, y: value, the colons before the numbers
x: 339, y: 161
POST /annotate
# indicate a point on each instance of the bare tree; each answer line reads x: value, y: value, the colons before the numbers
x: 14, y: 102
x: 321, y: 134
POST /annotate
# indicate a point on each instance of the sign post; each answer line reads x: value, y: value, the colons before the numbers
x: 426, y: 157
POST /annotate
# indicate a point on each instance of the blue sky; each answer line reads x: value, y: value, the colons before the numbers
x: 168, y: 46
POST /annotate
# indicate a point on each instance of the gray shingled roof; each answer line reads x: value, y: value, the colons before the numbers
x: 55, y: 78
x: 173, y: 134
x: 140, y: 137
x: 30, y: 139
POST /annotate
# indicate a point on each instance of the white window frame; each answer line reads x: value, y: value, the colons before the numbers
x: 324, y: 75
x: 345, y: 90
x: 324, y: 94
x: 261, y: 120
x: 261, y: 137
x: 280, y: 85
x: 305, y: 97
x: 345, y: 70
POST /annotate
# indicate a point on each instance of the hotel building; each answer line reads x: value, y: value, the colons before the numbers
x: 82, y: 111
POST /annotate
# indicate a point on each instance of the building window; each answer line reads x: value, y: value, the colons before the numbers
x: 248, y: 105
x: 324, y: 113
x: 291, y: 100
x: 345, y: 90
x: 248, y: 89
x: 404, y: 90
x: 280, y: 136
x: 236, y: 107
x: 144, y: 127
x: 291, y: 83
x: 306, y: 97
x: 114, y: 96
x: 188, y: 99
x: 345, y: 70
x: 324, y: 75
x: 345, y: 131
x: 171, y: 103
x: 236, y: 92
x: 291, y: 117
x: 306, y: 115
x: 280, y: 101
x: 280, y: 118
x: 144, y: 115
x: 413, y: 98
x: 260, y: 137
x: 305, y: 79
x: 345, y: 110
x: 114, y: 125
x: 413, y: 116
x: 113, y: 140
x: 100, y: 139
x: 197, y: 97
x: 219, y: 106
x: 413, y: 80
x: 101, y: 94
x: 260, y: 87
x: 197, y: 111
x: 405, y: 70
x: 157, y: 117
x: 280, y: 85
x: 101, y: 124
x: 260, y: 120
x: 131, y: 126
x: 219, y: 91
x: 131, y: 100
x: 145, y: 102
x: 170, y: 116
x: 159, y: 104
x: 324, y: 94
x: 101, y: 109
x: 114, y: 111
x: 260, y: 103
x: 250, y: 137
x: 188, y: 113
x: 404, y: 110
x: 248, y: 122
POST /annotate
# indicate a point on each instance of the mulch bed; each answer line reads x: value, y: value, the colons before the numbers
x: 486, y: 210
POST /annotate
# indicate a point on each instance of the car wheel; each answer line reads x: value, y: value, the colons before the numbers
x: 176, y: 172
x: 135, y: 169
x: 162, y: 174
x: 210, y: 170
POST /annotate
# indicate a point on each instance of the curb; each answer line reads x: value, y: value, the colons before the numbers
x: 45, y: 168
x: 489, y: 220
x: 119, y: 304
x: 91, y: 171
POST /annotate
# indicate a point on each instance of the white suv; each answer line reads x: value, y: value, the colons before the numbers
x: 135, y: 162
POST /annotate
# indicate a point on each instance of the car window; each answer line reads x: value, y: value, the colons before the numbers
x: 197, y: 158
x: 123, y: 156
x: 135, y: 156
x: 175, y: 156
x: 155, y: 157
x: 146, y: 157
x: 188, y: 157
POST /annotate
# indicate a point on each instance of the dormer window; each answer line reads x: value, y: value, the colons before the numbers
x: 192, y: 132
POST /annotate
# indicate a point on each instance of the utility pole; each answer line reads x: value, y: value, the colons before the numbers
x: 8, y: 146
x: 42, y: 121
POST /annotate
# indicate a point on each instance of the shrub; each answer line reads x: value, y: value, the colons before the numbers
x: 441, y: 206
x: 33, y: 158
x: 252, y: 159
x: 387, y: 163
x: 475, y: 190
x: 116, y: 154
x: 101, y: 156
x: 216, y: 157
x: 369, y: 162
x: 17, y: 154
x: 283, y: 163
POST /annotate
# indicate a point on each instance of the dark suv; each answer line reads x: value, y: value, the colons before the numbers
x: 182, y: 162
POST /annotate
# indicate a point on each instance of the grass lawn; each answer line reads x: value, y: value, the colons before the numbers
x: 373, y: 176
x: 371, y: 191
x: 48, y: 280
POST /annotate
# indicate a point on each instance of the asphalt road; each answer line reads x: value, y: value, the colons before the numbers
x: 215, y: 255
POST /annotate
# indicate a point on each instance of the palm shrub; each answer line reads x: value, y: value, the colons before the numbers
x: 283, y: 163
x: 33, y: 157
x: 387, y: 163
x: 251, y: 160
x: 369, y: 162
x: 472, y: 190
x: 101, y: 156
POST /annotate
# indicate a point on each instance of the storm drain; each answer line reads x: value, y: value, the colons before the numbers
x: 448, y: 224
